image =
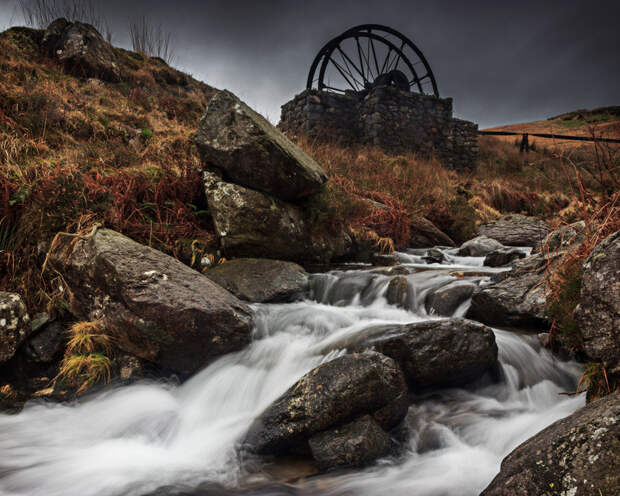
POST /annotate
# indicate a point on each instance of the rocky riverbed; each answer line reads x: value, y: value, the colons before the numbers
x: 436, y: 403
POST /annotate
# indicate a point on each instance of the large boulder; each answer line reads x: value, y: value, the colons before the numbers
x: 81, y: 50
x: 14, y: 324
x: 253, y: 224
x: 577, y: 456
x: 424, y: 234
x: 517, y: 300
x: 154, y: 306
x: 333, y: 393
x: 478, y: 247
x: 253, y: 153
x: 439, y: 353
x: 260, y: 280
x: 598, y: 311
x: 355, y: 444
x: 446, y: 299
x: 516, y: 230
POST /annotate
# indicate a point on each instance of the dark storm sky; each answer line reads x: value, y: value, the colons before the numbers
x: 502, y: 62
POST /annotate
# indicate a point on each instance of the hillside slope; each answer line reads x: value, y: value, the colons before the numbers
x: 603, y: 122
x: 76, y: 149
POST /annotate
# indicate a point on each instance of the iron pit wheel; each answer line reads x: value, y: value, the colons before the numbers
x: 370, y: 55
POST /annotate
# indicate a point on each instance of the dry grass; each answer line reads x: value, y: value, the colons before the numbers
x: 86, y: 361
x: 505, y: 181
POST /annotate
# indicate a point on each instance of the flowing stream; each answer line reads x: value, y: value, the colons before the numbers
x: 135, y: 439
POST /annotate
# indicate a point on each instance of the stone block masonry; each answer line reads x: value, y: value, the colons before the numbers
x: 392, y: 119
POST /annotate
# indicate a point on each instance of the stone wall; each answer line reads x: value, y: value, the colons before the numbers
x: 395, y: 120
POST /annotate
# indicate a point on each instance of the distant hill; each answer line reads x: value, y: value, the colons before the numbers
x: 603, y: 122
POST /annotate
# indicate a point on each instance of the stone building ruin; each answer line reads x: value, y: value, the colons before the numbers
x: 372, y: 86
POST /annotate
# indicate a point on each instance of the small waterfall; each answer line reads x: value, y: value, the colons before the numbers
x: 135, y: 439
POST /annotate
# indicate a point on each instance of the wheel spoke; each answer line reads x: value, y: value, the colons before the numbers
x: 387, y: 57
x: 367, y: 59
x: 341, y: 70
x: 352, y: 63
x: 374, y: 55
x: 359, y: 54
x: 398, y: 57
x: 418, y: 80
x: 350, y: 72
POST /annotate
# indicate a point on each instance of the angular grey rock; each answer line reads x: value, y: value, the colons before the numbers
x: 478, y: 247
x: 563, y: 237
x: 598, y: 311
x: 425, y: 234
x: 14, y: 324
x: 446, y: 299
x: 355, y: 444
x: 503, y: 256
x: 577, y: 456
x: 156, y: 307
x: 260, y: 280
x: 518, y: 299
x: 253, y: 224
x: 329, y: 395
x: 251, y: 152
x: 439, y: 353
x: 516, y: 230
x: 81, y: 50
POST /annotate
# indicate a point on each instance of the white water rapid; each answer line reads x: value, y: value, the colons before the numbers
x: 135, y: 439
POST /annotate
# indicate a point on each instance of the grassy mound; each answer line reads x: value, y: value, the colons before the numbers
x: 74, y: 152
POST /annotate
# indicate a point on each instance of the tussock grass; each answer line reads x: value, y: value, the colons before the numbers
x: 86, y: 361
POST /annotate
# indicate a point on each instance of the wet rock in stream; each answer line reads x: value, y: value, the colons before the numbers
x: 260, y: 280
x: 327, y: 397
x: 446, y: 299
x: 479, y: 247
x: 355, y: 444
x: 441, y: 353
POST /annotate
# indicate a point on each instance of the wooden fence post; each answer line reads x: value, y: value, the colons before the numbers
x: 525, y: 144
